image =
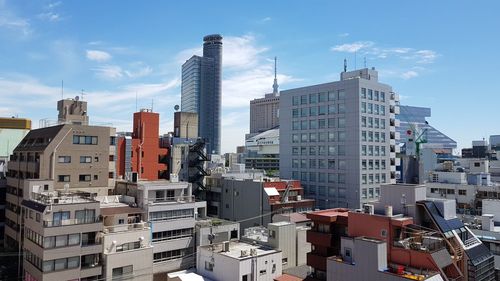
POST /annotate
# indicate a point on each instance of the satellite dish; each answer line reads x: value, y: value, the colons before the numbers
x: 77, y: 98
x: 176, y: 107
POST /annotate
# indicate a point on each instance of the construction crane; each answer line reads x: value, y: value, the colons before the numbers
x: 417, y: 137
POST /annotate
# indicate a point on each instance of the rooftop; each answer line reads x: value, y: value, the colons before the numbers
x: 329, y: 215
x: 59, y: 197
x: 295, y: 217
x: 240, y: 250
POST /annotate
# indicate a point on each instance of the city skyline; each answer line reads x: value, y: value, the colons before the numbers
x: 115, y: 58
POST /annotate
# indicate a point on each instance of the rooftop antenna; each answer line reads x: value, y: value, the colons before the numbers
x: 364, y: 61
x: 345, y: 65
x: 275, y: 85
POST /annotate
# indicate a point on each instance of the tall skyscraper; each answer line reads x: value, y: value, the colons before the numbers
x: 339, y: 138
x: 201, y: 90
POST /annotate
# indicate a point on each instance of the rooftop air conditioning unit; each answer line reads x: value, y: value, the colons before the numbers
x: 369, y: 209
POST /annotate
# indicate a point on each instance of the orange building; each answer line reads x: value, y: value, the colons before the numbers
x: 141, y: 152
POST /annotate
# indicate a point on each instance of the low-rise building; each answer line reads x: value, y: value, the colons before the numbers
x: 172, y: 211
x: 60, y: 231
x: 229, y: 261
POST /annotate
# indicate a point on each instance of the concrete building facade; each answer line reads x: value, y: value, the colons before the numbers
x: 264, y: 113
x: 201, y: 90
x: 339, y: 138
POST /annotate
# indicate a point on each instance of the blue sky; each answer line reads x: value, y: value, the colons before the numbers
x: 438, y: 54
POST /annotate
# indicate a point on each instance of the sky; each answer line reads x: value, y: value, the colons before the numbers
x: 438, y: 54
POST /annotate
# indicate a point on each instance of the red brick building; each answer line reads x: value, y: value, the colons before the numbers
x: 141, y: 152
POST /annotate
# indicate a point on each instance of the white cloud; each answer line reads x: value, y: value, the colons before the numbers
x: 97, y: 55
x: 426, y: 56
x: 352, y: 47
x: 264, y: 20
x: 50, y: 16
x: 345, y: 34
x: 116, y: 72
x: 409, y: 74
x: 12, y: 22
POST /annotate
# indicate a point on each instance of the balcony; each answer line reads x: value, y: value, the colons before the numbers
x: 316, y: 261
x: 126, y: 227
x: 67, y: 222
x: 319, y: 238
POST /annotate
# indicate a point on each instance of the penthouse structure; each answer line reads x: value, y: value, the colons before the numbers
x: 339, y: 138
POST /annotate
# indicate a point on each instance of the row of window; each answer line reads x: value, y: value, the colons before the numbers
x: 319, y: 150
x: 52, y: 265
x: 370, y: 192
x: 317, y: 163
x: 322, y: 177
x: 318, y: 110
x: 78, y: 139
x: 371, y: 136
x: 373, y: 150
x: 172, y: 234
x: 373, y: 164
x: 319, y: 97
x: 172, y: 214
x: 371, y: 108
x: 372, y: 95
x: 371, y: 122
x: 82, y: 178
x: 83, y: 159
x: 128, y: 246
x: 330, y: 191
x: 319, y: 137
x: 448, y: 191
x: 318, y: 124
x: 53, y: 241
x: 373, y: 178
x: 170, y: 255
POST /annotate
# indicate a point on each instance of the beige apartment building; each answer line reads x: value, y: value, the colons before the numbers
x: 73, y: 154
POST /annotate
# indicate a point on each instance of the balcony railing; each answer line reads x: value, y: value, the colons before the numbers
x: 126, y: 227
x: 57, y: 223
x: 176, y: 199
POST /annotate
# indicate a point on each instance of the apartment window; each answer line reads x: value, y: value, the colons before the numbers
x: 111, y: 158
x: 370, y: 122
x: 363, y: 164
x: 303, y: 137
x: 370, y: 136
x: 375, y: 109
x: 382, y: 96
x: 64, y: 159
x: 295, y: 113
x: 363, y: 107
x: 370, y: 108
x: 128, y: 246
x: 112, y: 140
x: 377, y: 164
x: 382, y: 151
x: 63, y: 178
x: 462, y: 192
x: 303, y: 150
x: 331, y: 136
x: 295, y: 138
x: 96, y: 159
x: 370, y: 164
x: 377, y: 150
x: 209, y: 266
x: 363, y: 179
x: 124, y: 272
x: 370, y: 94
x: 84, y: 177
x: 85, y: 159
x: 377, y: 178
x: 295, y: 125
x: 363, y: 150
x: 363, y: 121
x: 376, y: 125
x: 370, y: 150
x: 382, y: 123
x: 382, y: 178
x: 78, y: 139
x: 363, y: 193
x: 295, y: 150
x: 382, y: 110
x: 377, y: 136
x: 370, y: 180
x: 450, y: 191
x: 262, y: 272
x: 172, y: 214
x: 295, y: 100
x: 382, y: 164
x: 382, y: 137
x: 96, y: 177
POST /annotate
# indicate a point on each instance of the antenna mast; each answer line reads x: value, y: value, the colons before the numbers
x: 275, y: 84
x: 345, y: 65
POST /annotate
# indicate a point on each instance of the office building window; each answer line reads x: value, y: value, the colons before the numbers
x: 363, y: 164
x: 332, y: 150
x: 382, y: 110
x: 363, y: 93
x: 322, y: 137
x: 303, y: 125
x: 303, y: 99
x: 295, y: 125
x: 363, y: 179
x: 322, y: 110
x: 323, y: 97
x: 312, y: 177
x: 363, y: 150
x: 122, y: 273
x: 295, y: 113
x: 321, y: 123
x: 332, y: 95
x: 375, y: 96
x: 322, y: 163
x: 341, y: 107
x: 363, y: 107
x: 312, y: 163
x: 303, y: 163
x: 341, y: 94
x: 312, y: 137
x: 313, y: 98
x: 331, y: 122
x: 363, y: 121
x: 370, y: 136
x: 295, y: 100
x: 295, y: 163
x: 313, y: 111
x: 363, y: 135
x: 304, y: 112
x: 363, y: 193
x: 382, y: 96
x: 332, y: 109
x: 313, y: 124
x: 303, y: 137
x: 332, y: 178
x: 370, y: 94
x: 331, y: 163
x: 295, y: 138
x: 370, y: 108
x: 331, y: 136
x: 312, y: 150
x: 341, y: 122
x: 322, y: 150
x: 295, y: 150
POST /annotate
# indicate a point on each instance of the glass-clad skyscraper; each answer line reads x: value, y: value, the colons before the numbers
x: 201, y: 90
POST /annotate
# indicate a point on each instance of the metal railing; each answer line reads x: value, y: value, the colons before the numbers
x: 56, y: 223
x: 176, y: 199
